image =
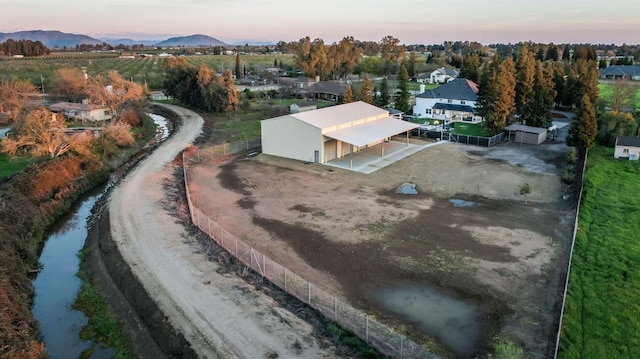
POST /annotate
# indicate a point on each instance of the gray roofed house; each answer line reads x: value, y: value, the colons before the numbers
x: 627, y: 147
x: 621, y: 72
x: 453, y: 101
x: 443, y: 75
x: 327, y: 90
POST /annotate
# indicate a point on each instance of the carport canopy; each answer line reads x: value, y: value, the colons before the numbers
x: 370, y: 132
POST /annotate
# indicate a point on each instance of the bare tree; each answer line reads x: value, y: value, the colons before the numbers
x: 621, y: 94
x: 114, y: 91
x: 45, y: 133
x: 69, y: 84
x: 14, y: 98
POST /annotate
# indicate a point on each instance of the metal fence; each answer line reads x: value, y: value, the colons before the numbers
x: 475, y: 140
x: 377, y: 335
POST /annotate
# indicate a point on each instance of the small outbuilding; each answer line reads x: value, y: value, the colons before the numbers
x: 627, y: 147
x: 526, y: 134
x: 330, y: 133
x: 82, y: 111
x: 303, y: 106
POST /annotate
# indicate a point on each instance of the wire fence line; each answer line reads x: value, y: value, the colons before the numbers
x: 376, y: 334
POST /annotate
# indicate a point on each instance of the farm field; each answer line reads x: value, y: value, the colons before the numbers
x: 467, y: 235
x: 602, y: 311
x: 139, y: 69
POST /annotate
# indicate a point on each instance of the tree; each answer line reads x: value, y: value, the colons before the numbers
x: 346, y: 56
x: 552, y: 53
x: 496, y: 96
x: 621, y: 94
x: 114, y: 91
x: 470, y: 69
x: 525, y: 190
x: 366, y: 91
x: 525, y: 77
x: 411, y: 64
x: 44, y: 133
x: 69, y: 84
x: 348, y: 95
x: 384, y: 98
x: 14, y: 97
x: 566, y: 53
x: 543, y: 95
x: 583, y: 132
x: 401, y: 100
x: 390, y: 52
x: 238, y: 68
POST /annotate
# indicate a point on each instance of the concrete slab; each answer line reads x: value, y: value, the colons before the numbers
x: 379, y: 156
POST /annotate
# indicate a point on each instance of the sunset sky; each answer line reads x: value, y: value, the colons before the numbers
x: 411, y: 21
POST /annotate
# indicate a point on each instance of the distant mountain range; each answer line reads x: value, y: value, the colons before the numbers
x: 53, y: 39
x: 50, y: 39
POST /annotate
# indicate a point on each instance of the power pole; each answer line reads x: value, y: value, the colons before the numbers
x: 42, y: 87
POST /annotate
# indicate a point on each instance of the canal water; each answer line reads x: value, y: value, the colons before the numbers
x: 453, y: 322
x: 57, y: 284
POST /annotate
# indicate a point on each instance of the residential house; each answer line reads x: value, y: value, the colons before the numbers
x: 82, y: 111
x: 621, y: 72
x: 627, y: 147
x: 443, y: 75
x: 453, y: 101
x: 327, y: 90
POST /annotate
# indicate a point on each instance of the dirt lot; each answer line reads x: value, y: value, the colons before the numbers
x: 350, y: 233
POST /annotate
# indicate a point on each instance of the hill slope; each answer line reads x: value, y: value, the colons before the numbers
x: 192, y: 41
x: 50, y: 39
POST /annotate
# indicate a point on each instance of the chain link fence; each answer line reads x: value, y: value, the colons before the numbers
x: 377, y: 335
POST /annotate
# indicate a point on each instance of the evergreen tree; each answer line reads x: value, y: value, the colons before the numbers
x: 542, y: 97
x: 540, y: 54
x: 401, y: 100
x: 348, y: 95
x: 602, y: 64
x: 496, y: 97
x: 411, y: 64
x: 525, y: 77
x: 566, y: 54
x: 366, y: 91
x: 238, y: 69
x: 582, y: 133
x: 552, y: 53
x: 470, y: 69
x: 385, y: 97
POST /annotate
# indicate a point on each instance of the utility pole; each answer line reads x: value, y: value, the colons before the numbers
x: 42, y: 87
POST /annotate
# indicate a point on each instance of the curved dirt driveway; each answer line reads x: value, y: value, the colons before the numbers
x: 219, y: 314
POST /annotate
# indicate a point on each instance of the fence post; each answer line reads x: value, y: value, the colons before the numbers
x: 309, y: 292
x: 236, y: 251
x: 264, y: 264
x: 366, y: 328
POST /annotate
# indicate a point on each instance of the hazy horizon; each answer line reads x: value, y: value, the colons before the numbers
x: 411, y: 21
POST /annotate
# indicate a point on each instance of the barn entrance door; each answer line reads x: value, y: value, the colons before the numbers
x: 316, y: 156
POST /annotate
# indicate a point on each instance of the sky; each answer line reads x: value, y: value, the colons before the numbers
x: 411, y: 21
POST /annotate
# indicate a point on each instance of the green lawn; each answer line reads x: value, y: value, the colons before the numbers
x: 473, y: 129
x: 9, y: 165
x: 602, y: 312
x: 604, y: 90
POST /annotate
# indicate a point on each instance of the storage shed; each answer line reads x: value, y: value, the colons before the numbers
x: 627, y: 147
x: 329, y: 133
x: 526, y: 134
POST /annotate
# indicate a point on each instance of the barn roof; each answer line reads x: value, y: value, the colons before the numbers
x: 371, y: 132
x: 341, y: 114
x: 523, y: 128
x: 628, y: 141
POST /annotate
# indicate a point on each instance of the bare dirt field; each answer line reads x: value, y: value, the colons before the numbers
x: 467, y: 233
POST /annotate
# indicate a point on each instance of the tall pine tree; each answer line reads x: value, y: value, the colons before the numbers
x: 582, y: 133
x: 401, y: 100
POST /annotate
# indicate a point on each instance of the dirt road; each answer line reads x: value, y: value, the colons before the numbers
x: 217, y: 313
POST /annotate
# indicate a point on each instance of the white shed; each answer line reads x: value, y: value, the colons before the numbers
x: 329, y: 133
x: 627, y: 147
x: 526, y: 134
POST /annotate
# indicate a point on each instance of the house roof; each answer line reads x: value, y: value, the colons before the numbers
x: 458, y: 89
x: 621, y: 70
x: 523, y: 128
x: 340, y: 114
x: 447, y: 71
x: 330, y: 87
x: 369, y: 132
x: 628, y: 141
x: 452, y: 107
x: 72, y: 106
x: 394, y: 111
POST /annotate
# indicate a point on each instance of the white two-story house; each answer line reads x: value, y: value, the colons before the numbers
x: 453, y: 101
